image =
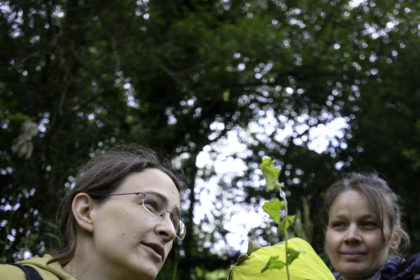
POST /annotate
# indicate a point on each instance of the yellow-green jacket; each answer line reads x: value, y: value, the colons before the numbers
x: 52, y: 271
x: 307, y: 266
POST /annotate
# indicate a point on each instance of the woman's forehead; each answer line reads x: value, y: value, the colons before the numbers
x: 351, y: 200
x: 152, y: 181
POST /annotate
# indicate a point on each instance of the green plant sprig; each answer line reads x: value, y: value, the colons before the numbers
x: 278, y: 212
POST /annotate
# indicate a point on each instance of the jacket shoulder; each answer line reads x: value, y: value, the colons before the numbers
x: 11, y: 272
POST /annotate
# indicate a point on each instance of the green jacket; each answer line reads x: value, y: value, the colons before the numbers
x: 53, y: 271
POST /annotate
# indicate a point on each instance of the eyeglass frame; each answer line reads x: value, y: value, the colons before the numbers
x: 181, y: 224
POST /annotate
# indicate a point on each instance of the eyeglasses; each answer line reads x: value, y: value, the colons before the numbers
x: 155, y: 205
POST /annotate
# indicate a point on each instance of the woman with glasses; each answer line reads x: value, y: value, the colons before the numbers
x: 119, y: 221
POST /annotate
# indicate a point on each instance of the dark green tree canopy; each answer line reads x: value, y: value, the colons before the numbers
x: 78, y: 77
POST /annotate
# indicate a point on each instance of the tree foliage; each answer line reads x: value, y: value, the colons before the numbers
x: 90, y: 74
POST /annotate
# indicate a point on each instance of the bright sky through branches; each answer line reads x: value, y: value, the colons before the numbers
x: 227, y: 164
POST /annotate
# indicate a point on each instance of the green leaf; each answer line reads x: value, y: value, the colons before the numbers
x: 271, y: 174
x: 272, y: 208
x: 252, y: 246
x: 289, y: 222
x: 292, y: 254
x: 273, y: 263
x: 241, y: 259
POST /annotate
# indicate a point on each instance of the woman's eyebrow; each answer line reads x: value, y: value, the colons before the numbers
x: 363, y: 217
x: 339, y: 216
x: 369, y: 216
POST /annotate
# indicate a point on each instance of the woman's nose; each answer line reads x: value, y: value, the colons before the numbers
x: 352, y: 235
x: 166, y: 228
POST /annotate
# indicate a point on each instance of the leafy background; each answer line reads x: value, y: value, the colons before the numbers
x: 78, y: 77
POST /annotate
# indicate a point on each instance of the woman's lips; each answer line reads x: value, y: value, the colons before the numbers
x: 353, y: 255
x: 156, y: 250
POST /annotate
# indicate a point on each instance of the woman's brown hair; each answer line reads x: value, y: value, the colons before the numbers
x: 102, y: 175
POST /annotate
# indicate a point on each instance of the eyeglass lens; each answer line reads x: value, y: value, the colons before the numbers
x: 157, y: 207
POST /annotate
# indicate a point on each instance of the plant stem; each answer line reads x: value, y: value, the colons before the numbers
x: 175, y: 269
x: 285, y: 239
x: 286, y: 236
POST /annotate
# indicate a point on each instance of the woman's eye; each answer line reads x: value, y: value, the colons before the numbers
x: 338, y: 225
x: 151, y: 204
x: 369, y: 225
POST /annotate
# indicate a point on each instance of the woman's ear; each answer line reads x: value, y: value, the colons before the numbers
x: 82, y: 207
x: 396, y: 238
